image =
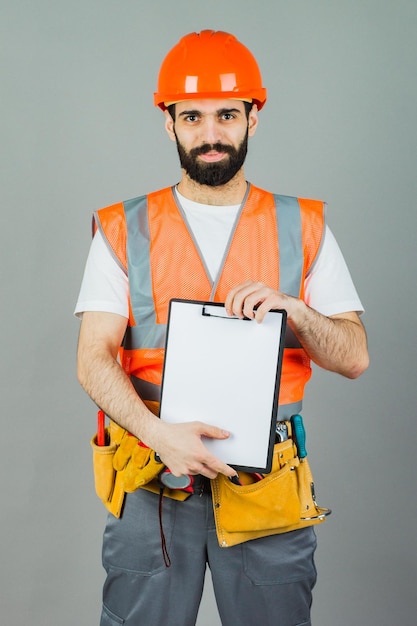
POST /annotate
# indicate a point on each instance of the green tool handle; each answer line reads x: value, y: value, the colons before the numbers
x: 299, y: 434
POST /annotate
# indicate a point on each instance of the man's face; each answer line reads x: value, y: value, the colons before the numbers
x: 212, y: 138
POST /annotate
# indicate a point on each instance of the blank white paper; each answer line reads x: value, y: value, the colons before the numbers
x: 224, y: 371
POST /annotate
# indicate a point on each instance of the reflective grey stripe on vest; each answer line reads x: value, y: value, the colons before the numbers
x: 290, y: 245
x: 291, y: 255
x: 146, y: 390
x: 147, y: 333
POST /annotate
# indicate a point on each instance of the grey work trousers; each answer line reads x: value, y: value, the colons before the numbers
x: 266, y: 581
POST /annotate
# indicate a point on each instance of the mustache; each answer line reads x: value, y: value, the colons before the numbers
x: 208, y: 147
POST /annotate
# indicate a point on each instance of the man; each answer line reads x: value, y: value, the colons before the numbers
x: 212, y: 237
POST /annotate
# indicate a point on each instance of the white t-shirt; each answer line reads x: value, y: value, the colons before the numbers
x: 105, y: 287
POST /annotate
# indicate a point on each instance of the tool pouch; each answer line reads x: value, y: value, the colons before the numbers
x: 280, y: 502
x: 107, y: 481
x: 140, y: 470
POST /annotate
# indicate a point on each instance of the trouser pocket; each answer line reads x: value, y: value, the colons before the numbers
x: 110, y: 619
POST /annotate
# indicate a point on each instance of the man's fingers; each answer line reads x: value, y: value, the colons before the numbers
x: 211, y: 465
x: 212, y: 471
x: 213, y: 432
x: 254, y: 299
x: 236, y: 296
x: 186, y: 452
x: 242, y: 300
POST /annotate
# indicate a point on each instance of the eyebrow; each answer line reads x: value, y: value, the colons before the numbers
x: 218, y: 112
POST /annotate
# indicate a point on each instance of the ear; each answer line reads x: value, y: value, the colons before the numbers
x: 169, y: 125
x: 253, y: 120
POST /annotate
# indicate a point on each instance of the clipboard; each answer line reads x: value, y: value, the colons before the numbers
x: 225, y: 371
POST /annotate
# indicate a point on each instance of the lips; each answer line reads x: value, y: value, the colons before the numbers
x: 211, y: 153
x: 212, y: 157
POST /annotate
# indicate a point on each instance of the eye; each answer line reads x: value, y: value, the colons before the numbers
x: 227, y: 116
x: 192, y: 117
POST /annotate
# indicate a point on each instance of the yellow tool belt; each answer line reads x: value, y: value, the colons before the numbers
x: 281, y: 501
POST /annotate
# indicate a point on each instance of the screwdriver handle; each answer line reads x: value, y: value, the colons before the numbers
x: 299, y: 434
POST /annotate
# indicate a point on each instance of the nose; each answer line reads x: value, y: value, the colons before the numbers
x: 211, y: 131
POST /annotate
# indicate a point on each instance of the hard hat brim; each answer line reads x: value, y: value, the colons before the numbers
x: 165, y: 100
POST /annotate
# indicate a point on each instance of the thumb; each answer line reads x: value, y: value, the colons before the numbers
x: 213, y: 432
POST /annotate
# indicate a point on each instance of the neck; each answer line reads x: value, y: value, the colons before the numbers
x: 231, y: 193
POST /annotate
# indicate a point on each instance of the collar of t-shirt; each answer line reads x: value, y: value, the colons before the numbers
x: 211, y: 227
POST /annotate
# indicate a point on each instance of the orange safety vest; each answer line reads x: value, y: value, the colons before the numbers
x: 275, y: 240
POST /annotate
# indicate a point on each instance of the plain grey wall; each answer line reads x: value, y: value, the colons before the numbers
x: 79, y: 131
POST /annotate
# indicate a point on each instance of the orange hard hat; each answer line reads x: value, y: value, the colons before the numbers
x: 209, y: 64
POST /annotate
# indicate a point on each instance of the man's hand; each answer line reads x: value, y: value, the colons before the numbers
x: 336, y: 343
x: 242, y: 300
x: 181, y: 448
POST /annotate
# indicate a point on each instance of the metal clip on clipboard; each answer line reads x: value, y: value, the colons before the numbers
x: 220, y: 312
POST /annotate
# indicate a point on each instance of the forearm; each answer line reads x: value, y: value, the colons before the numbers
x: 108, y: 385
x: 335, y: 343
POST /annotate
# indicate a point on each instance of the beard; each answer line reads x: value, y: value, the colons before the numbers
x: 213, y: 174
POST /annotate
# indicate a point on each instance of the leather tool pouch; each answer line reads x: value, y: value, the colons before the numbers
x: 107, y: 481
x: 280, y: 502
x: 110, y: 484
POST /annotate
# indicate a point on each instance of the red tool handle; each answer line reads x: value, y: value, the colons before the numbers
x: 101, y: 437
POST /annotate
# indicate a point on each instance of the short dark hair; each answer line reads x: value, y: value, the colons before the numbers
x: 248, y: 108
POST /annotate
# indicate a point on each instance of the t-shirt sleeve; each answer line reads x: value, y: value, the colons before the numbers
x: 105, y: 285
x: 329, y: 288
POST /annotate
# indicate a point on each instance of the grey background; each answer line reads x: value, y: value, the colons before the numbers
x: 79, y: 131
